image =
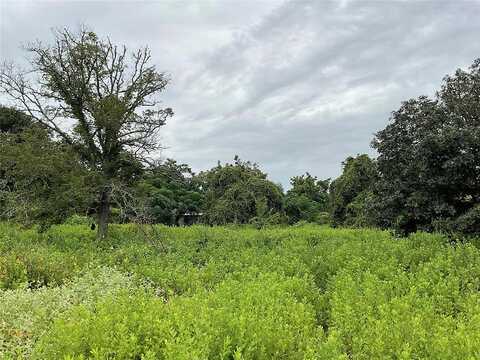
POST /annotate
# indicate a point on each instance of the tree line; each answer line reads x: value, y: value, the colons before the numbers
x: 86, y: 115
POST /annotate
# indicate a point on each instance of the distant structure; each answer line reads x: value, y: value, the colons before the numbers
x: 188, y: 218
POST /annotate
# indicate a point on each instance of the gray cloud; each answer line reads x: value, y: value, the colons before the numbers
x: 295, y: 86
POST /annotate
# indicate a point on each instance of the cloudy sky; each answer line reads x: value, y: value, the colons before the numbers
x: 293, y: 85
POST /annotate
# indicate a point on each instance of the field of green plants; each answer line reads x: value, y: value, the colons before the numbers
x: 304, y: 292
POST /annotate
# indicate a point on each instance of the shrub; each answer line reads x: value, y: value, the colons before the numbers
x: 469, y: 223
x: 236, y: 292
x: 13, y: 273
x: 262, y: 318
x: 79, y: 220
x: 26, y: 314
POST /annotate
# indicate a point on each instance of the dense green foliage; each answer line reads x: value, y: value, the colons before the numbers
x: 351, y: 193
x: 170, y: 190
x: 304, y: 292
x: 256, y: 291
x: 13, y: 121
x: 307, y: 200
x: 426, y: 176
x: 98, y: 98
x: 429, y: 157
x: 41, y: 180
x: 239, y: 193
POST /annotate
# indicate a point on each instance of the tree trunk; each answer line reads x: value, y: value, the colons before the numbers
x: 103, y: 214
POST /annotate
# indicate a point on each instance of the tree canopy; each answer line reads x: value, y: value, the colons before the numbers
x: 239, y: 193
x: 429, y: 156
x: 171, y: 190
x: 351, y: 190
x: 307, y: 199
x: 13, y: 121
x: 41, y: 181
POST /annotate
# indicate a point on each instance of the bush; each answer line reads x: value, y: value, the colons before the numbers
x: 323, y: 218
x: 469, y: 223
x: 234, y: 292
x: 79, y: 220
x: 26, y: 314
x: 41, y: 268
x: 261, y: 318
x: 13, y: 273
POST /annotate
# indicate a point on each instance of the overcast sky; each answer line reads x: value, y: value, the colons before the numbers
x: 293, y: 85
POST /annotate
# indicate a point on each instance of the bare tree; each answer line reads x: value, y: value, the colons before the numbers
x: 97, y: 98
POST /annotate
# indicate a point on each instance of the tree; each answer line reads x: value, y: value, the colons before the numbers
x: 429, y: 156
x: 13, y: 121
x: 307, y: 198
x: 171, y: 190
x: 96, y: 99
x: 351, y: 193
x: 239, y: 193
x: 41, y: 180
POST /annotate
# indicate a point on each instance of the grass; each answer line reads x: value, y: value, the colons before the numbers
x: 304, y: 292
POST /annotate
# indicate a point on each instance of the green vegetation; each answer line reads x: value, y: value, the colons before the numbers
x: 240, y: 193
x: 351, y: 191
x: 307, y: 200
x: 41, y: 181
x: 425, y: 177
x: 429, y: 158
x: 304, y: 292
x: 98, y: 99
x: 170, y: 190
x: 247, y: 286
